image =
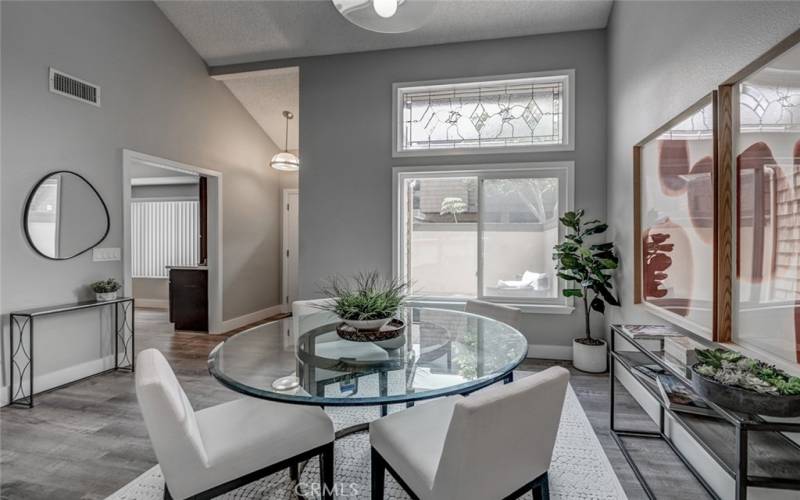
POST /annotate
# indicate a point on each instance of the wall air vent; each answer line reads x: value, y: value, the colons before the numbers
x: 69, y: 86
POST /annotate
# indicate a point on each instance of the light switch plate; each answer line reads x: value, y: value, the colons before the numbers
x: 106, y: 254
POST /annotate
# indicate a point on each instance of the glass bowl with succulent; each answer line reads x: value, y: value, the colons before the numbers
x: 105, y: 289
x: 366, y: 302
x: 744, y: 384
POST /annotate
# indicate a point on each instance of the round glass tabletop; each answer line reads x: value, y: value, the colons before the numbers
x: 440, y: 352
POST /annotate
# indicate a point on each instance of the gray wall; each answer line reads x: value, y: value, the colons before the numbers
x: 346, y: 174
x: 82, y: 220
x: 664, y: 56
x: 155, y: 292
x: 157, y: 98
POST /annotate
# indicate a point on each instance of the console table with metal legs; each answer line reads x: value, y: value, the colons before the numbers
x: 754, y: 452
x: 21, y: 353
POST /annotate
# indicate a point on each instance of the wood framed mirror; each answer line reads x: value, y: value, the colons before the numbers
x: 674, y: 219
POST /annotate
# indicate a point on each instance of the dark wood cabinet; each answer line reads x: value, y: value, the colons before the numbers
x: 188, y: 298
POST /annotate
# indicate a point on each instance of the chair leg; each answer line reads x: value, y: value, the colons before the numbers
x: 294, y: 472
x: 327, y: 482
x: 378, y: 475
x: 541, y: 490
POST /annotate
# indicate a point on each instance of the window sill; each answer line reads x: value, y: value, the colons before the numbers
x: 525, y: 308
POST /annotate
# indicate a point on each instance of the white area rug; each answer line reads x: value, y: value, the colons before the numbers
x: 579, y: 470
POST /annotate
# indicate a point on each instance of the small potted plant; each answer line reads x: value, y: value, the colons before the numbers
x: 367, y: 302
x: 743, y: 384
x: 587, y: 269
x: 105, y: 289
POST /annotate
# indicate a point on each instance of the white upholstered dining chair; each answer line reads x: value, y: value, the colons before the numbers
x: 507, y: 314
x: 207, y: 453
x: 496, y: 443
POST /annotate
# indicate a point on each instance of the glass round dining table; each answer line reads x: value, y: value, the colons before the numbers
x: 440, y: 352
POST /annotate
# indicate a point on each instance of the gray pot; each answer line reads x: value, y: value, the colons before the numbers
x: 744, y: 400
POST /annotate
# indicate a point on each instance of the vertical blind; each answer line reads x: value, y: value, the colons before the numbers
x: 164, y: 233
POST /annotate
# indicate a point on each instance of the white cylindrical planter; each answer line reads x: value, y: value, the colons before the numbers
x: 589, y: 358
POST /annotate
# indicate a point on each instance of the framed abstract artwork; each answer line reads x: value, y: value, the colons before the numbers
x: 765, y: 145
x: 674, y: 219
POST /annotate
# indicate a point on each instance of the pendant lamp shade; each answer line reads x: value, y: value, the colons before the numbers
x: 387, y: 16
x: 285, y: 161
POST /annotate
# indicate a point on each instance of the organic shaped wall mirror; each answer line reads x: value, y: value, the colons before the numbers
x: 65, y: 216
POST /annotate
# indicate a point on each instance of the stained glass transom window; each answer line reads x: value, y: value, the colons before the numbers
x: 522, y: 112
x: 769, y: 108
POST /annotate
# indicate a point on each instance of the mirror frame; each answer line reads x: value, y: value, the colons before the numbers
x: 29, y: 200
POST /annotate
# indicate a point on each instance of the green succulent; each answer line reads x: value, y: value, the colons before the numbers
x: 715, y: 357
x: 731, y: 368
x: 105, y: 286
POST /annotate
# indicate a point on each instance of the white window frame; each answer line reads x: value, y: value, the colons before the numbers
x: 568, y: 106
x: 563, y: 170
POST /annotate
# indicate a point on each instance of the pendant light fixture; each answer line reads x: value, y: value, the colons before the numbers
x: 386, y: 16
x: 286, y: 161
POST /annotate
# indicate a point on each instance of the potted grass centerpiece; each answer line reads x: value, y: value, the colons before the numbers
x: 366, y: 304
x: 743, y: 384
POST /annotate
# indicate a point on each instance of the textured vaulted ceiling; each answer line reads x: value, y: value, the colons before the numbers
x: 266, y: 94
x: 232, y: 31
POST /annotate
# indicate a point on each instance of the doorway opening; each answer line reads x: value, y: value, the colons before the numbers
x: 172, y: 251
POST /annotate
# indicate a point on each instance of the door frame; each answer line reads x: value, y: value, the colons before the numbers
x: 129, y: 158
x: 285, y: 244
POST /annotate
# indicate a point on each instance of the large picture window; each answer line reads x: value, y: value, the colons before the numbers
x: 514, y: 113
x: 482, y: 233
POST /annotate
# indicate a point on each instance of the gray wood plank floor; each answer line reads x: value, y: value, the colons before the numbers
x: 87, y: 440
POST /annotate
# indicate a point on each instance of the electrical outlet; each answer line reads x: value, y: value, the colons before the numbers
x: 106, y: 254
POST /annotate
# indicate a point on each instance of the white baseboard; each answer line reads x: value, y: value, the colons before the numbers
x: 234, y: 323
x: 47, y: 381
x: 153, y: 303
x: 543, y: 351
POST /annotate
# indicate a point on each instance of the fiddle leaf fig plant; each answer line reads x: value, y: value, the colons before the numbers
x: 587, y: 267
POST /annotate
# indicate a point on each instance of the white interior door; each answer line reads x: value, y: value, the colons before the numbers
x: 291, y: 219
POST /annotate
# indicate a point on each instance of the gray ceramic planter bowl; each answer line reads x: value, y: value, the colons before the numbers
x: 743, y: 400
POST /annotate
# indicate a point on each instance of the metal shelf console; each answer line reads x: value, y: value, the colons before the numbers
x: 742, y: 426
x: 21, y: 356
